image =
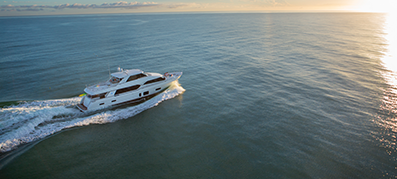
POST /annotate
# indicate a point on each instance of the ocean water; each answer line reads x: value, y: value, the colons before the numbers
x: 272, y: 95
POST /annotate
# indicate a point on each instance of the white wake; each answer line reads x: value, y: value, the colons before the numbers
x: 34, y: 120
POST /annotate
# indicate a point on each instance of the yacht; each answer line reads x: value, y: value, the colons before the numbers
x: 125, y: 87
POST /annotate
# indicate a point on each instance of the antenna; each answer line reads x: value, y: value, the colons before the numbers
x: 109, y: 68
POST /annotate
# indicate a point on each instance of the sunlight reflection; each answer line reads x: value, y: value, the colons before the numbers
x: 389, y: 59
x: 388, y: 111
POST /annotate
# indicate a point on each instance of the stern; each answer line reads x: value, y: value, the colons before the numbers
x: 82, y: 106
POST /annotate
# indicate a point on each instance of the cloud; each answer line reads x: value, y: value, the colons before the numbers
x: 182, y: 5
x: 268, y: 2
x: 116, y: 5
x: 279, y: 2
x: 174, y: 6
x: 152, y: 6
x: 30, y: 9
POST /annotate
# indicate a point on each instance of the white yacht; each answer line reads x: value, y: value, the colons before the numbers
x: 129, y: 86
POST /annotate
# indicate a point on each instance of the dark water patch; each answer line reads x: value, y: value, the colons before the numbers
x: 9, y: 103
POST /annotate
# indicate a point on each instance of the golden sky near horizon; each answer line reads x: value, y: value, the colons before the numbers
x: 48, y: 7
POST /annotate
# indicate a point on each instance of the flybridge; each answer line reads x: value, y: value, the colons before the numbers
x: 116, y: 79
x: 123, y: 74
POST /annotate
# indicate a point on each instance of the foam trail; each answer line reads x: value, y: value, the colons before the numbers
x: 30, y: 121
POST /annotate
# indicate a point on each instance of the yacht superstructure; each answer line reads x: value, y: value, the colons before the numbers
x: 127, y: 86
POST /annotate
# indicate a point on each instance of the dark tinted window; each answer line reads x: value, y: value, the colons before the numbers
x: 146, y: 93
x: 134, y: 77
x: 154, y: 80
x: 97, y: 95
x: 123, y: 90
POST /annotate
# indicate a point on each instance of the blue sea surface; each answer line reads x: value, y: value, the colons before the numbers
x: 267, y: 95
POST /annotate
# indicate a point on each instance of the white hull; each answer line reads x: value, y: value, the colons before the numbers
x: 137, y: 95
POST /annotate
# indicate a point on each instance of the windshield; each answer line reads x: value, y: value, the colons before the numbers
x: 114, y: 80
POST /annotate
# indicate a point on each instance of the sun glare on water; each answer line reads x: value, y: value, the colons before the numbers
x: 390, y: 29
x: 387, y: 120
x: 390, y: 57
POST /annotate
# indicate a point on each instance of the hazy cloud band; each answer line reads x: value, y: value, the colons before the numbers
x: 117, y: 5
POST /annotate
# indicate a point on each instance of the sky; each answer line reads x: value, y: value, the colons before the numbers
x: 54, y: 7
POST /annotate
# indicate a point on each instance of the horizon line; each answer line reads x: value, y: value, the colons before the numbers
x: 199, y: 12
